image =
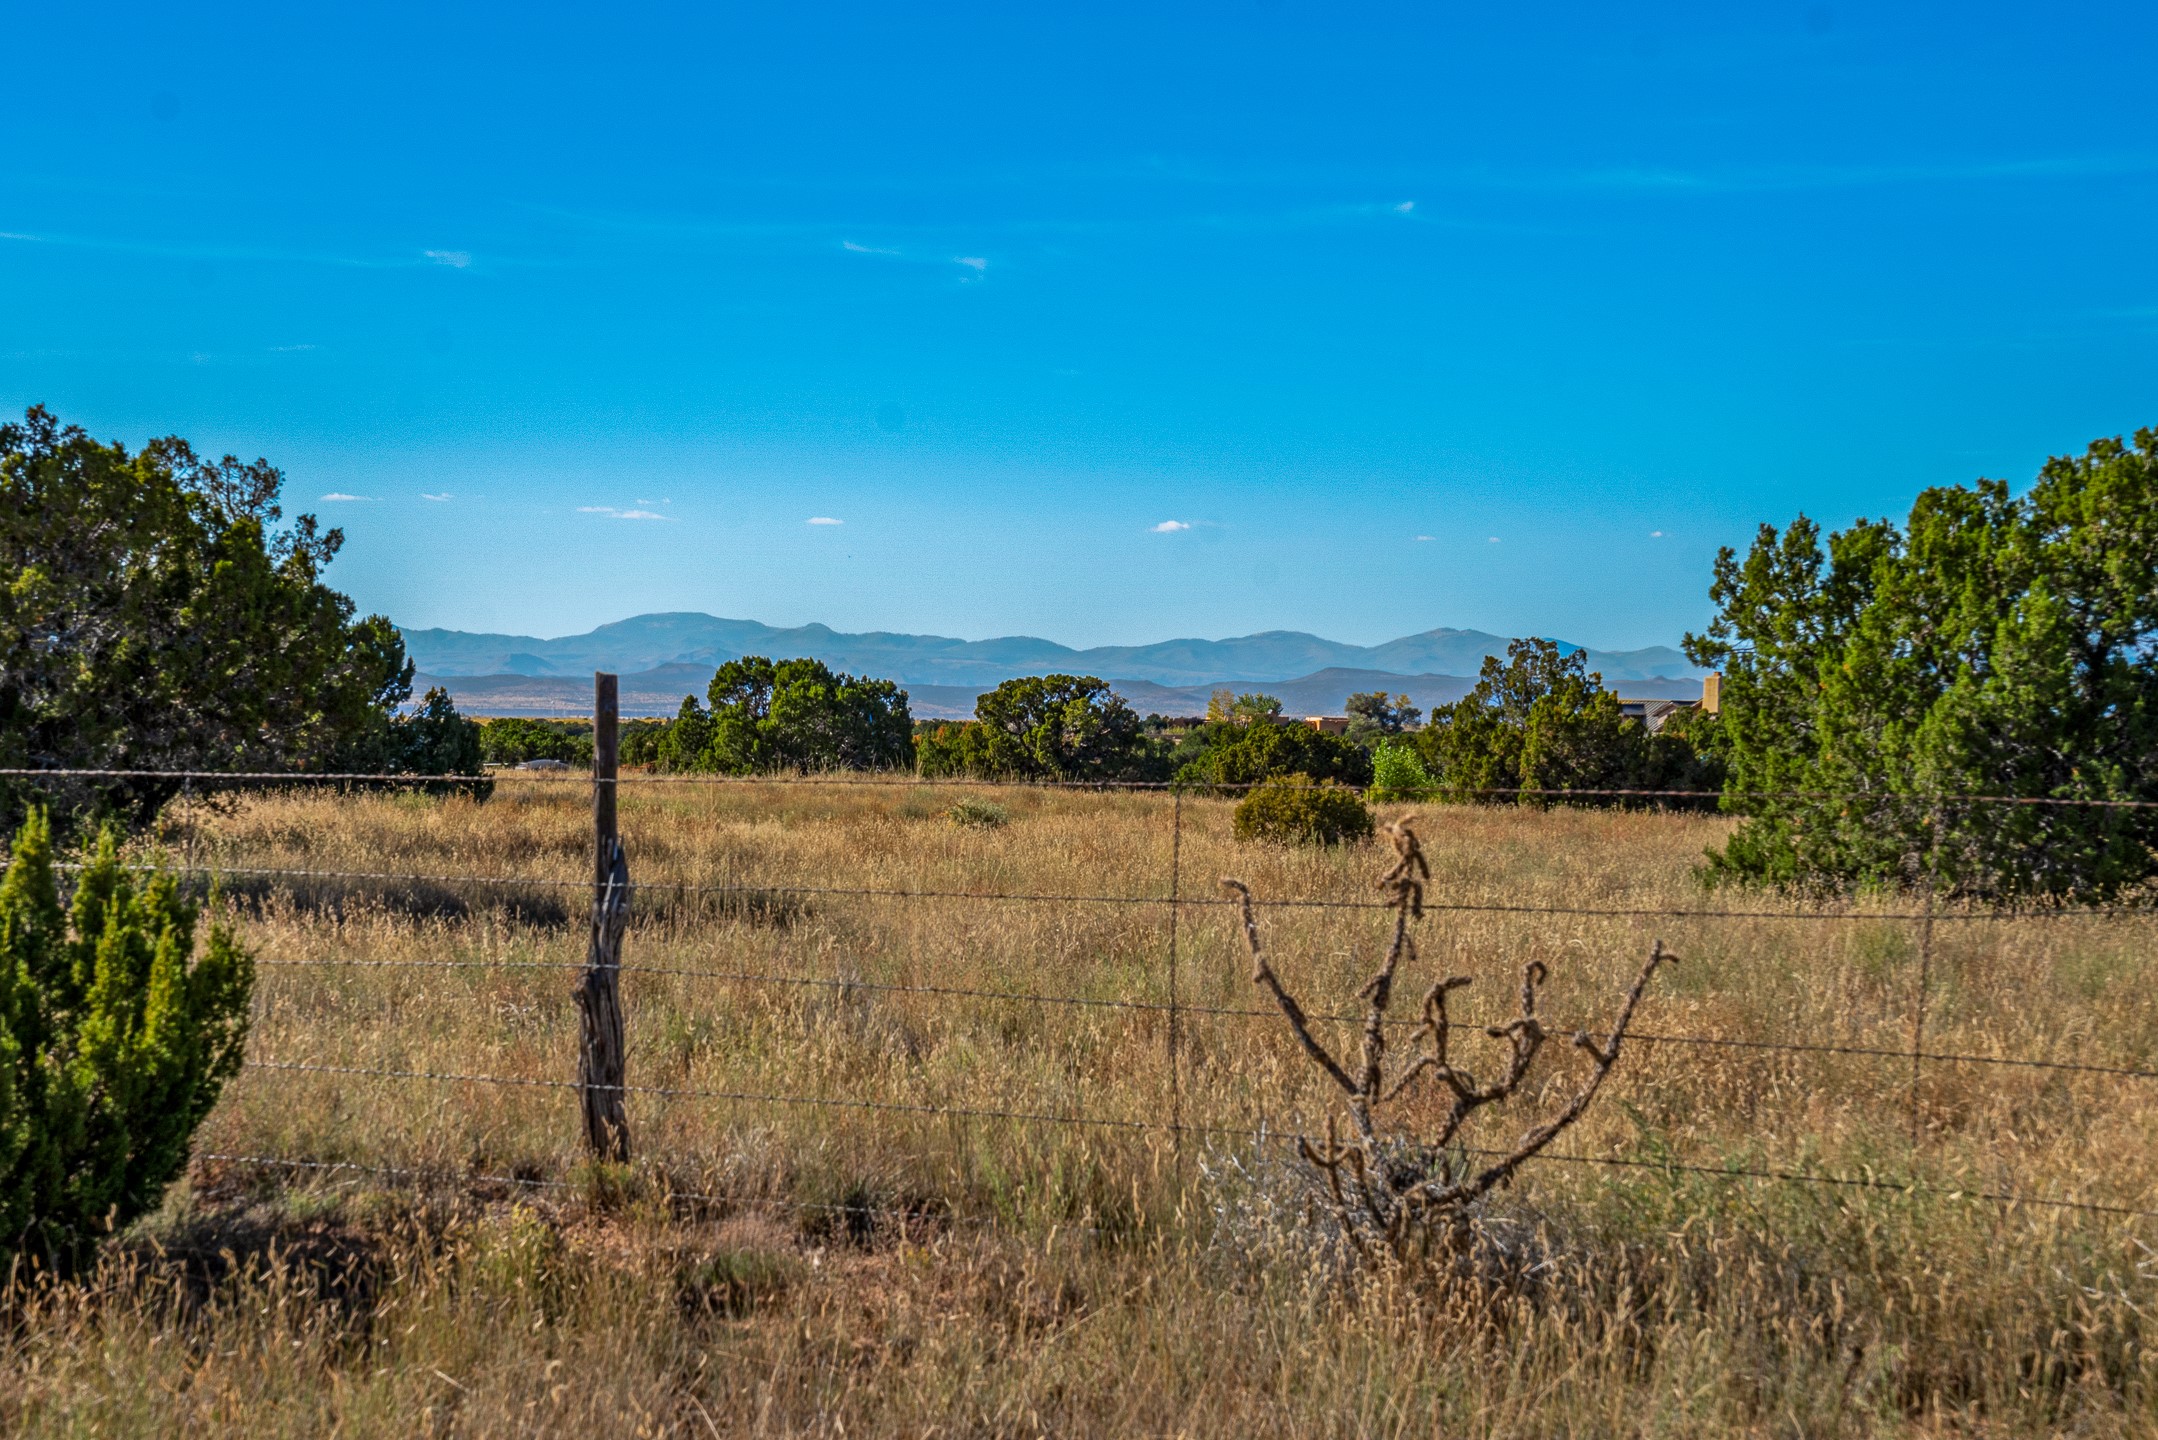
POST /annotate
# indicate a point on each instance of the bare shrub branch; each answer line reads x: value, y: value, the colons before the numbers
x: 1397, y: 1189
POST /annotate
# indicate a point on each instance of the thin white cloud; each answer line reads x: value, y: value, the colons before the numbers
x: 1170, y: 527
x: 288, y: 349
x: 1406, y: 207
x: 438, y: 499
x: 865, y: 249
x: 972, y: 262
x: 1493, y: 540
x: 824, y: 520
x: 455, y: 259
x: 620, y: 514
x: 1655, y: 534
x: 1422, y: 538
x: 341, y: 495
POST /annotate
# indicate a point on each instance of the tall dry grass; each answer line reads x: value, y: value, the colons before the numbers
x: 787, y: 1267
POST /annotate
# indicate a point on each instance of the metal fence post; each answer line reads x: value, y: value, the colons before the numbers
x: 600, y: 1059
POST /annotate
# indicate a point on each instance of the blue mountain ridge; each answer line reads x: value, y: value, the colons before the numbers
x: 648, y: 642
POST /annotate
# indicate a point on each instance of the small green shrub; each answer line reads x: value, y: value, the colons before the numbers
x: 982, y: 813
x: 115, y: 1038
x: 1397, y: 773
x: 1295, y: 811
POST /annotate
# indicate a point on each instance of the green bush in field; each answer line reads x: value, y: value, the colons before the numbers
x: 1294, y: 810
x: 429, y: 739
x: 115, y: 1038
x: 1397, y: 773
x: 978, y: 814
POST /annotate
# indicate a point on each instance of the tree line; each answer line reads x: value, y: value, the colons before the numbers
x: 1537, y: 720
x: 159, y: 614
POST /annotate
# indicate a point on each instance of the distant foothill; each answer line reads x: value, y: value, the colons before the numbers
x: 662, y: 657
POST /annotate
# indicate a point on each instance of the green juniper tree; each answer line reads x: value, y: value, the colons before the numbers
x: 116, y: 1036
x: 1537, y: 721
x: 683, y: 745
x: 429, y: 739
x: 154, y: 616
x: 800, y: 714
x: 1055, y: 727
x: 1991, y: 645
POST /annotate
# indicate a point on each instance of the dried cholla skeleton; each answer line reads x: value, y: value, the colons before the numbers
x: 1398, y: 1192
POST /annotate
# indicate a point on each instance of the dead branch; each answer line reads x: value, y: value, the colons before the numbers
x: 1395, y: 1188
x: 1263, y: 974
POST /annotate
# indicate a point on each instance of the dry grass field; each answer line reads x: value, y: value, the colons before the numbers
x: 783, y: 1257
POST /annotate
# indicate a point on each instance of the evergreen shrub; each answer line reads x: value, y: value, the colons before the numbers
x: 1397, y: 773
x: 1296, y: 810
x: 115, y: 1039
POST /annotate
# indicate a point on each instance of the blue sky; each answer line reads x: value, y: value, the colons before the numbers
x: 1492, y: 316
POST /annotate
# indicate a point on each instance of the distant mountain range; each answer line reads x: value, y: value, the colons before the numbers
x: 661, y: 658
x: 645, y: 642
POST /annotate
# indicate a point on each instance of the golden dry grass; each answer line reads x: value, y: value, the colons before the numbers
x: 773, y: 1267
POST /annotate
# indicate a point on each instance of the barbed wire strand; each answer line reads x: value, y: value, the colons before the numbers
x: 1223, y: 1011
x: 1238, y: 1131
x: 1612, y: 912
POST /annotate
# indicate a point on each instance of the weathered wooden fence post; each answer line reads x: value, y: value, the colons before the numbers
x: 600, y: 1066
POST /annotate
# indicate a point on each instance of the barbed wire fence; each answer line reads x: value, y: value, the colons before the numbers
x: 601, y: 1084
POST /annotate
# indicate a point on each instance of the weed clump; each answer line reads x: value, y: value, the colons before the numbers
x: 978, y: 814
x: 1294, y: 810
